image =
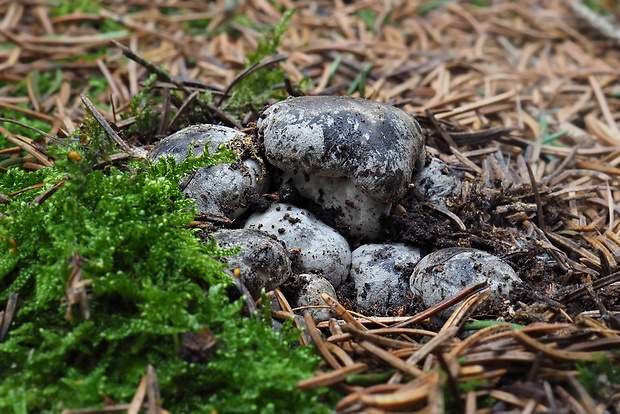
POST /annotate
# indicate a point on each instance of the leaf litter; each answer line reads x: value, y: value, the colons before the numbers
x: 523, y: 98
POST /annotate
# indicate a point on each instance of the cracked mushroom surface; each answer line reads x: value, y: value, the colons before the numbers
x: 365, y: 147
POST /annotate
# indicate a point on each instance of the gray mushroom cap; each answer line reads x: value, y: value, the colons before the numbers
x: 218, y: 189
x: 378, y: 273
x: 377, y: 145
x: 322, y: 249
x: 309, y: 294
x: 437, y: 183
x: 445, y: 272
x: 263, y: 262
x: 197, y: 136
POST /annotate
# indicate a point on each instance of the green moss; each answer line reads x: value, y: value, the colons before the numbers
x: 196, y: 27
x: 20, y: 130
x: 369, y: 18
x: 86, y: 7
x: 471, y: 385
x: 148, y: 281
x: 98, y: 85
x: 599, y: 377
x: 450, y: 399
x: 597, y: 6
x: 256, y: 88
x: 142, y: 107
x: 430, y: 5
x: 73, y: 6
x: 44, y: 84
x: 235, y: 372
x: 480, y: 3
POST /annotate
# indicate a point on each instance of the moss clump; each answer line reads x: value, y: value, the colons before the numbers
x: 599, y: 377
x: 256, y: 88
x: 110, y: 279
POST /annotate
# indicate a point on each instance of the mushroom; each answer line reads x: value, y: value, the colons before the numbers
x: 380, y: 273
x: 309, y: 288
x: 437, y: 183
x: 350, y: 155
x: 321, y: 249
x: 354, y: 212
x: 263, y: 262
x: 445, y: 272
x: 219, y: 189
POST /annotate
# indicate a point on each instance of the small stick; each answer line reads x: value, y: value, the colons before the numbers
x: 7, y: 317
x: 104, y: 124
x: 442, y: 132
x: 138, y: 397
x: 426, y: 349
x: 188, y: 101
x: 476, y: 105
x: 152, y: 391
x: 371, y: 337
x: 165, y: 116
x: 552, y: 352
x: 473, y: 339
x: 25, y: 144
x: 391, y: 359
x: 432, y: 344
x: 332, y: 377
x: 460, y: 315
x: 340, y: 337
x: 342, y: 312
x: 21, y: 124
x: 162, y: 75
x: 354, y: 397
x: 249, y: 300
x: 342, y: 355
x: 221, y: 115
x: 444, y: 304
x: 259, y: 65
x: 407, y: 396
x: 318, y: 342
x: 539, y: 209
x: 46, y: 194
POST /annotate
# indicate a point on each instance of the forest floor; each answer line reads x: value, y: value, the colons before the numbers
x: 522, y: 97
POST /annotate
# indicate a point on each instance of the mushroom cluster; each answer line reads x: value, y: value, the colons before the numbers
x: 352, y: 156
x: 347, y: 162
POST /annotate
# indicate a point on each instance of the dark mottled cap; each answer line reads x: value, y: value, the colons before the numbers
x: 196, y: 136
x: 377, y: 145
